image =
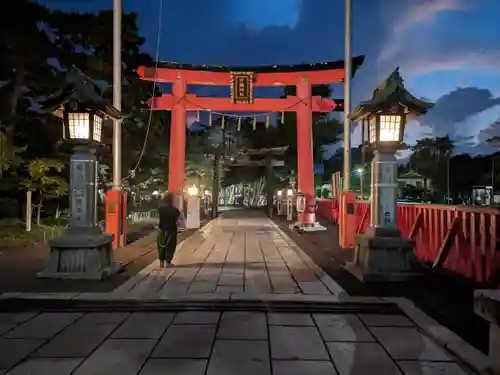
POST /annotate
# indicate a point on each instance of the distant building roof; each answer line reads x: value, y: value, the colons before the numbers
x: 410, y: 175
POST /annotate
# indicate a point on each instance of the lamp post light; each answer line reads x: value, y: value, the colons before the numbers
x: 290, y: 192
x: 83, y: 252
x: 361, y: 174
x: 381, y: 252
x: 279, y: 202
x: 193, y: 208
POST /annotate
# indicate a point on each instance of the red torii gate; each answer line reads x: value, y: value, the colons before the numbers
x: 242, y: 81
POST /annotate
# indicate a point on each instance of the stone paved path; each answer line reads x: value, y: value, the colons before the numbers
x: 242, y: 252
x: 215, y: 343
x: 235, y: 257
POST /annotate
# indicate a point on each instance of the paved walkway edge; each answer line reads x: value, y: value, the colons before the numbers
x: 466, y: 353
x: 332, y: 286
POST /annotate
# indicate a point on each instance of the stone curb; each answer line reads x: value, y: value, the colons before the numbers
x: 461, y: 349
x: 322, y: 298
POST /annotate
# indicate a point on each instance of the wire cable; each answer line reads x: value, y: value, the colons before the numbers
x: 150, y: 116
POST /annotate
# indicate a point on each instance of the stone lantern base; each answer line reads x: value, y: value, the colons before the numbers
x: 381, y: 254
x: 487, y: 305
x: 76, y: 255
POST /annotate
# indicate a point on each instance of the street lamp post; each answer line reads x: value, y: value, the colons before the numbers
x: 83, y: 252
x: 381, y: 252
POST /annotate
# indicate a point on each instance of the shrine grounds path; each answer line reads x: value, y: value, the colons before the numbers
x: 241, y: 298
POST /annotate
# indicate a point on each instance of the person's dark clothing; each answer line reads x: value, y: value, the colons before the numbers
x: 167, y: 236
x: 167, y: 242
x: 169, y: 216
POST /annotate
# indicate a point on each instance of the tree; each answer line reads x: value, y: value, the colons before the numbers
x: 431, y: 157
x: 25, y: 48
x: 10, y: 154
x: 44, y: 182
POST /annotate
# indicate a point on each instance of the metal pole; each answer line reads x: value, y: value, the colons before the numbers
x: 347, y: 97
x: 216, y: 184
x: 117, y: 92
x: 363, y: 154
x: 492, y: 200
x: 29, y: 210
x: 117, y: 102
x: 448, y: 181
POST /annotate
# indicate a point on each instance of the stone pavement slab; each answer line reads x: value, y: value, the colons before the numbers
x: 243, y: 325
x: 174, y: 367
x: 117, y: 356
x: 297, y: 343
x: 46, y: 366
x: 303, y: 368
x: 194, y: 341
x: 43, y: 326
x: 144, y: 325
x: 359, y: 358
x: 219, y: 343
x: 239, y: 357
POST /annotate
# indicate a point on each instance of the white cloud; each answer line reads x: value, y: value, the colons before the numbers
x: 404, y: 20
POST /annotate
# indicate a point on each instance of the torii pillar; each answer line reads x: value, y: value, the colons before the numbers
x: 177, y: 157
x: 305, y: 156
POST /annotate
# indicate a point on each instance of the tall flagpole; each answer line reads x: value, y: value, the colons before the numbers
x: 117, y: 96
x: 347, y: 97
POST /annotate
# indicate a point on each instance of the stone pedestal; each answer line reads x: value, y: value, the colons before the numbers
x: 487, y: 305
x: 87, y: 256
x: 381, y: 254
x: 83, y: 252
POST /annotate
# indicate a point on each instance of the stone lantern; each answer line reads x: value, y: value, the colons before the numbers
x: 83, y: 252
x: 381, y: 252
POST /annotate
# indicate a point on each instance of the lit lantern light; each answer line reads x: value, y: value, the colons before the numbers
x: 82, y: 126
x: 280, y: 193
x: 387, y: 127
x: 289, y: 193
x: 193, y: 190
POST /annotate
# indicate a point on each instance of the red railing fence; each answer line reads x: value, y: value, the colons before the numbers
x: 462, y: 239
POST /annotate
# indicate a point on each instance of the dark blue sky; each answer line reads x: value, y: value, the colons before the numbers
x: 441, y: 46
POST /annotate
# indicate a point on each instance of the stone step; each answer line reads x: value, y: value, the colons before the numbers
x: 341, y: 307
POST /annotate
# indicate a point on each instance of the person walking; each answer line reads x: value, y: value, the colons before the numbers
x: 167, y: 235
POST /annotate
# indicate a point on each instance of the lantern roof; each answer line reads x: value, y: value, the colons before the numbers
x: 80, y: 88
x: 391, y: 91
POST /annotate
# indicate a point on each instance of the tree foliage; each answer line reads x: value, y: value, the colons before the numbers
x: 431, y: 157
x: 10, y: 154
x: 45, y: 181
x: 37, y: 46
